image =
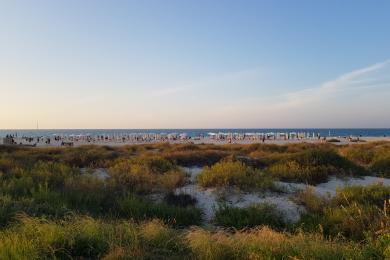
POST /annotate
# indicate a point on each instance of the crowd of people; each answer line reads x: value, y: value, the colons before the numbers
x: 139, y: 138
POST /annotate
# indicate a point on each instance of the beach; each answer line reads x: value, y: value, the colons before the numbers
x: 120, y: 140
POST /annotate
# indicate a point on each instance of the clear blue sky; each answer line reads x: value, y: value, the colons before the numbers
x: 167, y: 64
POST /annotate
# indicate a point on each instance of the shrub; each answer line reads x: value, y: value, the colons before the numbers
x: 264, y: 243
x: 161, y: 239
x: 138, y: 209
x: 75, y: 238
x: 314, y: 166
x: 312, y: 202
x: 147, y: 174
x: 195, y: 158
x: 255, y: 215
x: 374, y: 194
x: 355, y: 212
x: 233, y: 173
x: 17, y: 246
x: 381, y: 164
x: 293, y: 171
x: 6, y: 165
x: 360, y: 154
x: 52, y: 174
x: 10, y: 208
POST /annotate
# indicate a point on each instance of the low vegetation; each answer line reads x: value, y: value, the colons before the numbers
x: 53, y: 206
x: 314, y: 166
x: 255, y: 215
x: 234, y: 173
x: 373, y: 156
x: 81, y: 237
x: 149, y: 174
x: 355, y: 212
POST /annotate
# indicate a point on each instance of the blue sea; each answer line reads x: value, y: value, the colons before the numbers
x: 372, y: 132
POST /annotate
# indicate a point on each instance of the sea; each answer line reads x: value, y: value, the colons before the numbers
x: 335, y: 132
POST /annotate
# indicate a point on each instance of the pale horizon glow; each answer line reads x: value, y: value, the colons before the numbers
x: 194, y: 64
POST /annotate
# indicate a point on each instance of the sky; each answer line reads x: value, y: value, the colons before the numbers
x: 194, y: 64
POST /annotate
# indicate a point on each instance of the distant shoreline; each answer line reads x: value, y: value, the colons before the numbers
x: 333, y: 140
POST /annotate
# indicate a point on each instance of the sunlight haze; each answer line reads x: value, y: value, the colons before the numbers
x: 194, y: 64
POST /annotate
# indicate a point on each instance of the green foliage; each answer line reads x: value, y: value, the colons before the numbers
x: 10, y: 208
x: 381, y: 164
x: 254, y: 215
x: 374, y: 195
x: 51, y: 209
x: 264, y: 243
x: 146, y: 174
x: 195, y: 158
x: 87, y: 238
x: 314, y: 166
x: 138, y: 209
x: 234, y: 173
x: 355, y: 212
x: 374, y: 156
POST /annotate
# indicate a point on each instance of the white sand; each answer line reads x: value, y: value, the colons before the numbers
x: 99, y: 173
x: 329, y: 188
x: 208, y: 199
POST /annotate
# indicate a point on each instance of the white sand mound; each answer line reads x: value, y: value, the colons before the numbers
x: 329, y: 188
x: 208, y: 199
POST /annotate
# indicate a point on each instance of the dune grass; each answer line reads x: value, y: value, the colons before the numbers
x: 81, y: 237
x: 355, y: 212
x: 264, y: 243
x: 51, y: 209
x: 262, y: 214
x: 314, y: 166
x: 146, y: 174
x: 236, y: 174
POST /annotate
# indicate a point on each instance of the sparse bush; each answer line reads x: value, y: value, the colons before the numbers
x: 355, y: 212
x: 381, y: 165
x: 138, y: 209
x: 195, y: 158
x: 314, y: 166
x: 43, y: 194
x: 312, y: 202
x: 147, y: 174
x: 161, y: 239
x: 234, y: 173
x: 264, y: 243
x: 254, y: 215
x: 375, y: 194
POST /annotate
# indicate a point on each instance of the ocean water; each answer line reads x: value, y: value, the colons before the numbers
x: 374, y: 132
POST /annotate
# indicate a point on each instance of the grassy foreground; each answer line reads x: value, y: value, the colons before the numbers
x: 85, y: 237
x: 52, y: 206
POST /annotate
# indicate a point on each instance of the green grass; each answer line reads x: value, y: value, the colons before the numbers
x: 86, y: 238
x: 252, y: 216
x: 146, y: 174
x: 138, y: 209
x: 314, y: 166
x: 234, y: 173
x: 355, y: 212
x: 49, y: 209
x: 264, y: 243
